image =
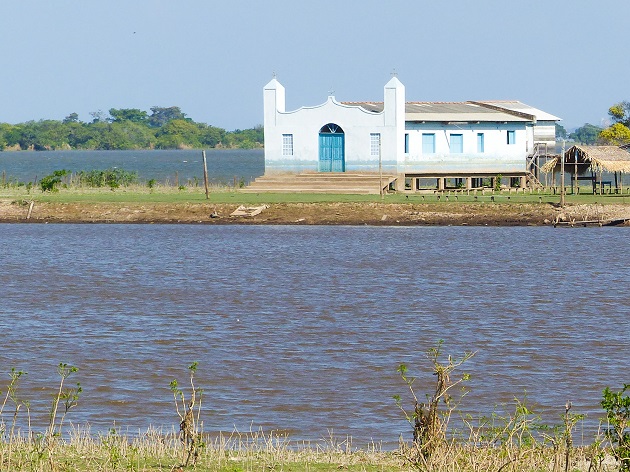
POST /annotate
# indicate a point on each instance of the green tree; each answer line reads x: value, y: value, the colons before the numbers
x: 71, y: 118
x: 78, y: 134
x: 587, y: 134
x: 132, y: 135
x: 179, y: 134
x: 210, y: 136
x: 99, y: 116
x: 160, y: 116
x: 616, y: 135
x: 94, y: 136
x: 246, y: 139
x: 617, y: 407
x: 9, y: 135
x: 51, y: 135
x: 560, y: 131
x: 620, y: 113
x: 129, y: 114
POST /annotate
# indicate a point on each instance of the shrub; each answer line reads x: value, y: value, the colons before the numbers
x: 50, y: 182
x: 112, y: 178
x: 428, y: 421
x: 617, y: 407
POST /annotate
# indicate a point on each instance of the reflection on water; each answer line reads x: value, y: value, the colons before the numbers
x: 302, y: 328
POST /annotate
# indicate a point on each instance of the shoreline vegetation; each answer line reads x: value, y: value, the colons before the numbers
x: 517, y: 440
x: 125, y: 129
x: 153, y: 202
x: 153, y: 450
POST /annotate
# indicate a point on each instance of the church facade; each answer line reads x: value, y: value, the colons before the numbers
x: 406, y: 139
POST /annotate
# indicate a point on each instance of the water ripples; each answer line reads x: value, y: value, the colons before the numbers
x: 302, y: 328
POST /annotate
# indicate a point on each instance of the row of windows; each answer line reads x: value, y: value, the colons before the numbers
x: 428, y: 143
x: 456, y: 142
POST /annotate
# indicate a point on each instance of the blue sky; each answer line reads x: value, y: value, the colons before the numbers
x: 212, y: 58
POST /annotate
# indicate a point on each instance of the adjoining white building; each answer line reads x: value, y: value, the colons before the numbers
x: 410, y: 140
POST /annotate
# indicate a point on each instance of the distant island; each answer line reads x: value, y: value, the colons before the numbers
x: 125, y: 128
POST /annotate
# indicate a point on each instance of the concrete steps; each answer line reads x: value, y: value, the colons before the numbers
x: 343, y: 183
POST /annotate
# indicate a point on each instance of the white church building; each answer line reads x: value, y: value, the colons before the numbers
x: 409, y: 140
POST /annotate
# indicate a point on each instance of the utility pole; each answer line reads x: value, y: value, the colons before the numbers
x: 562, y: 174
x: 205, y: 173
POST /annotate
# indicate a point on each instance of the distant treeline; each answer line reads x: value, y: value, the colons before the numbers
x: 126, y: 128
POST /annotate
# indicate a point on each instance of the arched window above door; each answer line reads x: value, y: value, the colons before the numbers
x: 331, y: 128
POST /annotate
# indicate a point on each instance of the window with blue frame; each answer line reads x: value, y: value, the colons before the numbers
x: 480, y: 143
x: 511, y: 137
x: 428, y: 143
x: 457, y: 143
x: 406, y: 143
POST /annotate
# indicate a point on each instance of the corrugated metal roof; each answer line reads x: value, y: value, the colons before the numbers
x: 456, y: 111
x: 517, y: 106
x: 447, y: 112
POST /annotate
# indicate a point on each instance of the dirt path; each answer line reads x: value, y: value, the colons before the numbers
x: 492, y: 214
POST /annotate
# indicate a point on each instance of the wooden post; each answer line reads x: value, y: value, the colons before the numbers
x: 205, y: 173
x: 562, y: 176
x: 380, y: 168
x: 616, y: 183
x: 577, y: 181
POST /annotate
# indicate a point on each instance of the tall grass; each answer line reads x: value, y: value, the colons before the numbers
x: 156, y: 450
x: 513, y: 441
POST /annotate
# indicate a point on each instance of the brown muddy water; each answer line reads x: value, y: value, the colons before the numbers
x: 301, y: 329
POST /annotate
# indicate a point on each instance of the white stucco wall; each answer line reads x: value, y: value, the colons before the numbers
x: 357, y: 124
x: 498, y: 155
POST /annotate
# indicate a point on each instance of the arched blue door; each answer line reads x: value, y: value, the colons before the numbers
x: 331, y: 149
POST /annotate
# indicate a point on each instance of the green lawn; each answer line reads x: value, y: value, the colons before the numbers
x: 197, y: 195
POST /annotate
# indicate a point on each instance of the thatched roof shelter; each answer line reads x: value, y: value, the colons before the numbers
x: 594, y: 158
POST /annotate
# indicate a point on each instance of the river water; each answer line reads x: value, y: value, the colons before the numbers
x: 162, y: 165
x: 301, y: 329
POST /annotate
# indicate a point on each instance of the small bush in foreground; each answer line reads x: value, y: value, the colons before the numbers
x: 189, y: 425
x: 617, y: 407
x: 429, y: 422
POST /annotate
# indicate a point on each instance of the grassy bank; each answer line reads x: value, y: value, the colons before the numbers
x: 163, y: 204
x: 171, y: 194
x: 513, y: 441
x: 154, y: 451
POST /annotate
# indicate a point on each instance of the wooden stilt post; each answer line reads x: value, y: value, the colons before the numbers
x: 205, y: 173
